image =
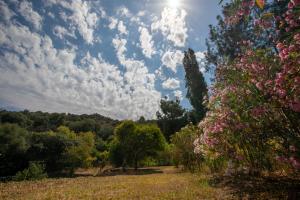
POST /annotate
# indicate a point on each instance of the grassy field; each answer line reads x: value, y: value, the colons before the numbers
x: 154, y: 183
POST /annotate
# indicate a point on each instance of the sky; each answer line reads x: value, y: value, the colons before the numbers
x: 117, y: 58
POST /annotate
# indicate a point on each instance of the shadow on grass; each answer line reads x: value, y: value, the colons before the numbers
x: 247, y: 187
x: 131, y: 171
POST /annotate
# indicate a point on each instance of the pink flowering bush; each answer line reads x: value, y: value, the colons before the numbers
x: 254, y: 107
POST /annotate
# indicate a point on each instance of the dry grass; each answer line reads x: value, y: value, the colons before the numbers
x: 168, y: 184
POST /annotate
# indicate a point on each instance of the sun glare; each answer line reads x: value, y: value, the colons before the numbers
x: 174, y: 3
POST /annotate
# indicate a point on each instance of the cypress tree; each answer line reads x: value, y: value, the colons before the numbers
x: 195, y: 84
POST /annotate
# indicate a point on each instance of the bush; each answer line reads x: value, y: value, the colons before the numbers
x: 35, y: 171
x: 183, y: 148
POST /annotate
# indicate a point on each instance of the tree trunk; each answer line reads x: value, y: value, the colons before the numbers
x: 135, y: 164
x: 124, y: 165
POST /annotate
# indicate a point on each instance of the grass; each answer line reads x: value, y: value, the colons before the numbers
x: 155, y: 183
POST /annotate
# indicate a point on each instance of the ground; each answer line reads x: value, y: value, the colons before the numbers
x: 153, y: 183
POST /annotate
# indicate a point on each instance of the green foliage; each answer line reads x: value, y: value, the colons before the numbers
x: 183, y: 148
x: 63, y: 149
x: 80, y: 155
x: 116, y: 154
x: 101, y: 159
x: 42, y: 122
x: 63, y: 142
x: 15, y: 118
x: 216, y: 165
x: 134, y: 142
x: 35, y: 171
x: 171, y: 118
x: 164, y: 158
x: 50, y: 147
x: 195, y: 84
x: 13, y: 147
x: 84, y: 125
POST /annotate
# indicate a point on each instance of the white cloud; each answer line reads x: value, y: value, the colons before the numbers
x: 113, y: 23
x: 172, y: 25
x: 6, y: 13
x: 178, y: 94
x: 141, y: 13
x: 122, y: 28
x: 50, y: 79
x: 123, y: 11
x: 138, y: 79
x: 50, y: 14
x: 82, y: 17
x: 171, y: 59
x: 171, y: 84
x: 200, y: 56
x: 146, y: 42
x: 61, y: 32
x: 26, y: 10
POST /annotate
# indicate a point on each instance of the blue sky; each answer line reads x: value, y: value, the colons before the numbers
x: 117, y: 58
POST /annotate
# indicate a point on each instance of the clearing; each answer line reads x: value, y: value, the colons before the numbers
x: 151, y: 183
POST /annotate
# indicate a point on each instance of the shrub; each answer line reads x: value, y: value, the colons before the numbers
x: 183, y: 148
x: 35, y: 171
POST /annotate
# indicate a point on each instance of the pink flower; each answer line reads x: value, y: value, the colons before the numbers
x: 281, y: 159
x: 297, y: 80
x: 280, y: 46
x: 295, y: 106
x: 290, y: 5
x: 292, y: 148
x: 239, y: 157
x: 258, y: 111
x: 259, y: 85
x: 281, y: 92
x: 295, y: 162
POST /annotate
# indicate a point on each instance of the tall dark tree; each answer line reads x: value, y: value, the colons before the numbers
x: 195, y: 84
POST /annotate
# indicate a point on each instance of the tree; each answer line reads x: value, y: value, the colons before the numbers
x: 15, y: 118
x: 62, y: 150
x: 171, y: 118
x: 13, y: 147
x: 50, y: 147
x: 133, y: 142
x: 80, y: 154
x: 226, y: 39
x: 195, y: 84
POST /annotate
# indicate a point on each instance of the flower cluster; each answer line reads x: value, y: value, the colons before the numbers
x: 257, y: 97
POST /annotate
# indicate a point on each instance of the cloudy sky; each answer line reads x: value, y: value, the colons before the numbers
x: 117, y: 58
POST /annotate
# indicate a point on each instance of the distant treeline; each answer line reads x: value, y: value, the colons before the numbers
x: 43, y: 121
x: 54, y: 141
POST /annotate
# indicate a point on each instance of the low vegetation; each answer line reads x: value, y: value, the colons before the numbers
x: 159, y: 183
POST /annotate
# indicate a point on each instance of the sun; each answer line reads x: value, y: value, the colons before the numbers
x: 174, y: 3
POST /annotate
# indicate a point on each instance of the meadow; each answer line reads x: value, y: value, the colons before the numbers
x: 154, y: 183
